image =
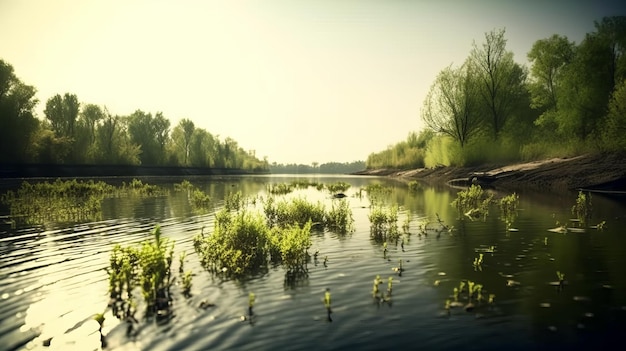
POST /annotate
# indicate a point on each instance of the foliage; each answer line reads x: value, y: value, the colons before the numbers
x: 377, y: 193
x: 148, y: 267
x: 339, y: 218
x: 58, y: 201
x: 452, y: 104
x: 613, y: 135
x: 240, y: 243
x: 508, y: 209
x: 582, y: 208
x: 384, y: 222
x: 234, y: 201
x: 406, y: 154
x: 18, y: 124
x: 69, y: 200
x: 279, y: 188
x: 297, y: 211
x: 324, y: 168
x: 570, y: 104
x: 472, y: 202
x: 337, y: 187
x: 138, y: 188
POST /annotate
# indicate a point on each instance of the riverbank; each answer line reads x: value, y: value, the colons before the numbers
x: 73, y: 171
x: 600, y: 172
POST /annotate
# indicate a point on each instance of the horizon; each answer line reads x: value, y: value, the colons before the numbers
x: 298, y: 82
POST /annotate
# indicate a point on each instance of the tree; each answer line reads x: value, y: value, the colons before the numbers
x: 590, y: 80
x: 62, y: 112
x: 90, y: 116
x: 548, y: 57
x: 17, y: 118
x: 113, y: 144
x: 181, y: 137
x: 451, y: 106
x: 615, y: 128
x: 150, y: 134
x: 612, y: 33
x: 500, y: 80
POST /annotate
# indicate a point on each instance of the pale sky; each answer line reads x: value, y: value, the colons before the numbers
x: 297, y: 81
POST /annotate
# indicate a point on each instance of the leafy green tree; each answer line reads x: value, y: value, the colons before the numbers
x: 151, y: 134
x: 501, y: 81
x: 90, y: 116
x: 548, y: 57
x: 62, y: 113
x: 181, y: 138
x: 451, y: 106
x: 201, y: 148
x: 615, y: 129
x: 18, y: 123
x: 113, y: 144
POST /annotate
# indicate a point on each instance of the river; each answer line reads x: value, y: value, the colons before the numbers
x: 53, y: 278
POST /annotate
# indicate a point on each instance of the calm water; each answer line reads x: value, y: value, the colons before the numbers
x: 52, y: 279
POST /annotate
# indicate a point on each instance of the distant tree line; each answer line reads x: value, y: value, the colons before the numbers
x: 79, y: 133
x: 571, y: 100
x: 324, y: 168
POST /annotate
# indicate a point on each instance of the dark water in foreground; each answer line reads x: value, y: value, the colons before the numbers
x: 52, y: 279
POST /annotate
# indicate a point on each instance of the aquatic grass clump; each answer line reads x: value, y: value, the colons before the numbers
x: 148, y: 267
x: 303, y: 183
x: 337, y: 187
x: 234, y: 201
x: 297, y: 211
x: 377, y: 193
x: 384, y: 222
x: 508, y: 209
x: 239, y: 243
x: 138, y: 188
x: 58, y: 201
x: 582, y: 208
x: 279, y: 188
x: 339, y: 218
x: 242, y: 243
x: 199, y: 200
x: 293, y: 243
x: 473, y: 202
x: 185, y: 185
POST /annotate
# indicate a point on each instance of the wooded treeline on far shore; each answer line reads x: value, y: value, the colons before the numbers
x: 491, y: 109
x: 74, y: 133
x: 315, y: 167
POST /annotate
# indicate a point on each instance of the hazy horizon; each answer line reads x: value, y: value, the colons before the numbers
x: 297, y: 81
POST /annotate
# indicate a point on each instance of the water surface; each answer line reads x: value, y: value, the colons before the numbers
x: 53, y: 279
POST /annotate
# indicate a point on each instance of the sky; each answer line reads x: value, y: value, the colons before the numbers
x: 296, y: 81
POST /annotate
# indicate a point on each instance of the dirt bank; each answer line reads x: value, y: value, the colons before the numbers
x: 606, y: 172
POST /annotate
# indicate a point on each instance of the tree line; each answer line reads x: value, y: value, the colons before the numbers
x: 571, y: 100
x: 315, y: 167
x: 83, y: 133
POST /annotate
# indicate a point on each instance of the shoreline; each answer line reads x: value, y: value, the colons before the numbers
x: 594, y: 172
